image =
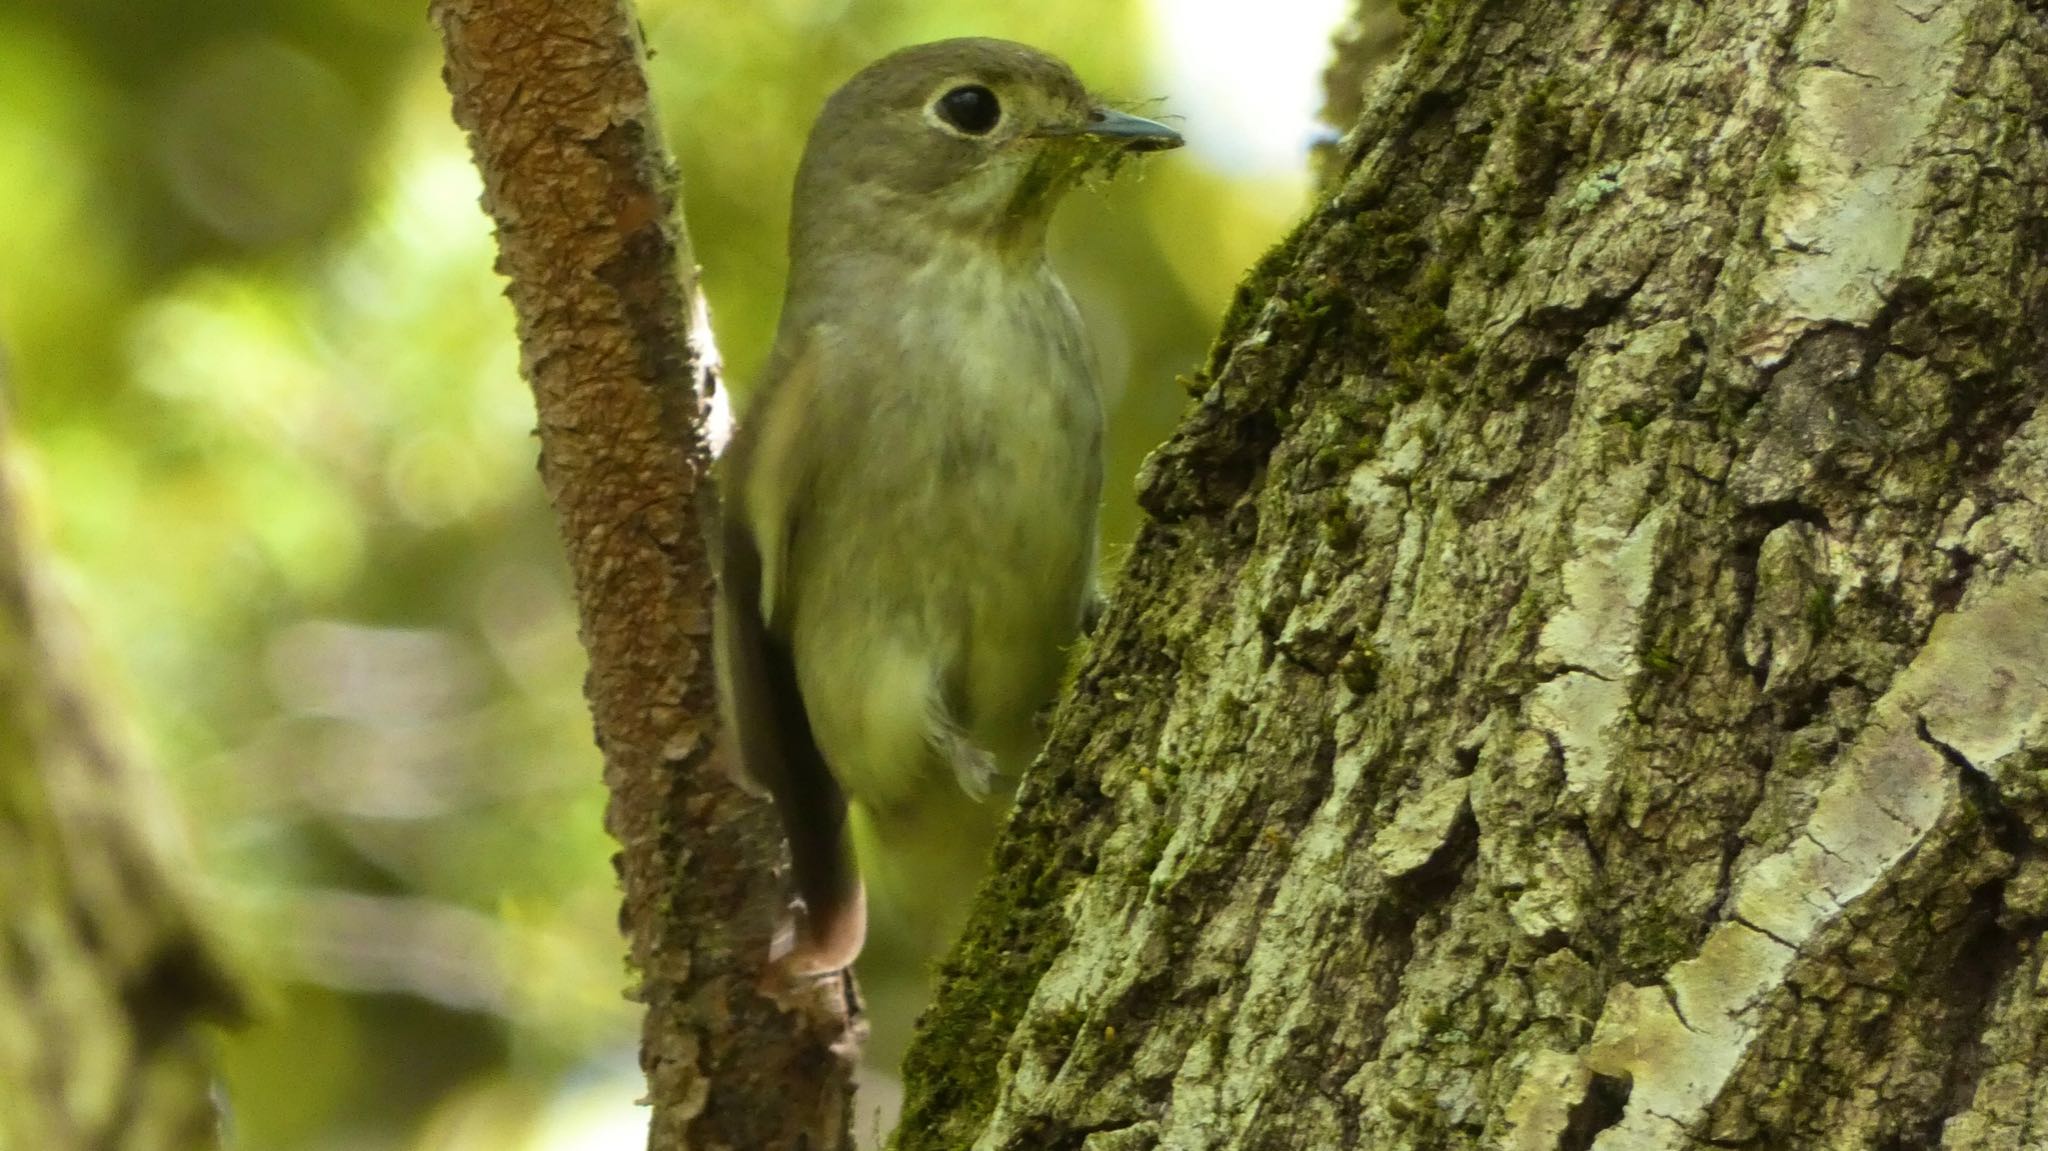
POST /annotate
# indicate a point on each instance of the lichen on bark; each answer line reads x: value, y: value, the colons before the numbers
x: 1580, y: 684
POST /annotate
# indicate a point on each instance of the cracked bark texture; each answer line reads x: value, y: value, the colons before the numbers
x: 106, y: 984
x: 554, y: 97
x: 1584, y: 680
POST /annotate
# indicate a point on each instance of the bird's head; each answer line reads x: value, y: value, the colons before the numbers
x: 974, y: 137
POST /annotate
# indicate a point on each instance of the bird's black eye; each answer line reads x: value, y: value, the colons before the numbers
x: 971, y: 108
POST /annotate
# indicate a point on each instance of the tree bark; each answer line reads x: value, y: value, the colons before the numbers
x: 106, y: 984
x: 554, y: 97
x: 1584, y: 681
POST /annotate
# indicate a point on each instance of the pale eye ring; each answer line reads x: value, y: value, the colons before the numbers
x: 969, y: 108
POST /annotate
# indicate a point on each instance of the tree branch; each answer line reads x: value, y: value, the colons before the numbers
x: 554, y: 97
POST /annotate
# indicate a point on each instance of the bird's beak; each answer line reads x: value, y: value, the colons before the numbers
x: 1135, y: 133
x: 1132, y: 133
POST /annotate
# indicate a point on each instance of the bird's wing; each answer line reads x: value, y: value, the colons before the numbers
x: 764, y: 706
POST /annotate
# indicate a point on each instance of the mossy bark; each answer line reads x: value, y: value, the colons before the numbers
x: 1584, y: 681
x: 106, y: 983
x: 553, y: 94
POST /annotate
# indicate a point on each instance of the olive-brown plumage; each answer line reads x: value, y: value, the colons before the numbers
x: 909, y: 529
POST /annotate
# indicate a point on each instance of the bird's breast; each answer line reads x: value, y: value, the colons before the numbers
x: 1000, y: 384
x: 950, y: 523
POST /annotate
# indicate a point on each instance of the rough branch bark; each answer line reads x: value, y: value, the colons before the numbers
x: 1584, y: 683
x: 554, y: 97
x: 105, y: 982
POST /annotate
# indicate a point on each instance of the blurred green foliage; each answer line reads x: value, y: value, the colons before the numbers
x: 274, y: 437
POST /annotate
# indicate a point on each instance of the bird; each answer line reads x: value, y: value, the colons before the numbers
x: 907, y: 542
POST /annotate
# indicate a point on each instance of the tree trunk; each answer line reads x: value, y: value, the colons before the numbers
x: 1584, y: 682
x: 554, y: 97
x: 105, y: 981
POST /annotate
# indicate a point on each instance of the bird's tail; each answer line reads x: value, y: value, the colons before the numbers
x: 772, y: 732
x: 814, y: 817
